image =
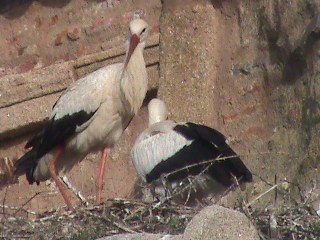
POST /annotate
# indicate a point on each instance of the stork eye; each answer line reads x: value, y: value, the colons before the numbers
x: 143, y: 30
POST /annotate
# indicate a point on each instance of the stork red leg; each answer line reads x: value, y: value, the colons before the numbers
x: 54, y: 174
x: 100, y: 176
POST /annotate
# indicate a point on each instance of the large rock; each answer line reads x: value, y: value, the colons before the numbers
x: 216, y: 222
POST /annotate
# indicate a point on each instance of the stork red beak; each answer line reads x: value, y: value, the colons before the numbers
x: 134, y: 40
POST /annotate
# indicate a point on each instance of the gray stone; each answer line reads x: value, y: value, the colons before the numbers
x: 216, y: 222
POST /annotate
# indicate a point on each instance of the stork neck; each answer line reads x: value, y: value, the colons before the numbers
x: 155, y: 118
x: 134, y: 81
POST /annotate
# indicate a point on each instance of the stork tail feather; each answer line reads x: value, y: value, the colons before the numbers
x: 26, y: 165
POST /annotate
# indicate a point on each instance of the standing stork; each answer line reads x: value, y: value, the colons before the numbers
x: 91, y: 115
x: 177, y: 150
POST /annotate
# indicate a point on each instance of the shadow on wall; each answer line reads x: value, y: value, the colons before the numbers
x: 16, y: 8
x: 298, y: 61
x: 217, y: 3
x: 11, y: 9
x: 292, y: 56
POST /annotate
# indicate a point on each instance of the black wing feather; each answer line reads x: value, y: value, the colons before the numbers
x: 59, y: 130
x: 220, y: 170
x: 56, y: 132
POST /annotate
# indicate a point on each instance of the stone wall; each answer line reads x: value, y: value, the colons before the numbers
x: 251, y: 70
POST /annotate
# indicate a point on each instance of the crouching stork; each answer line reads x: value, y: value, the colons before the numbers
x: 178, y: 150
x: 91, y: 115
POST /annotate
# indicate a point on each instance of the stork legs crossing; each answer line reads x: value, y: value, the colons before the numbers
x: 60, y: 185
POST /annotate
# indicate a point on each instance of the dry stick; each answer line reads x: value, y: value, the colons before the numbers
x: 273, y: 224
x: 191, y: 182
x: 308, y: 194
x: 189, y: 192
x: 261, y: 195
x: 263, y: 180
x: 48, y: 217
x: 228, y: 189
x: 36, y: 194
x: 281, y: 191
x: 203, y: 171
x: 17, y: 208
x: 242, y: 198
x: 118, y: 225
x: 129, y: 201
x: 66, y: 181
x: 209, y: 163
x: 201, y: 163
x: 135, y: 213
x: 247, y: 211
x: 4, y: 201
x: 142, y: 207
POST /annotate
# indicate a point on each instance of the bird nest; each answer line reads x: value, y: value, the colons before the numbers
x: 285, y: 219
x: 115, y: 216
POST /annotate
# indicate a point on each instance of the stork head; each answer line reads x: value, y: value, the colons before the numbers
x: 157, y: 111
x: 138, y: 31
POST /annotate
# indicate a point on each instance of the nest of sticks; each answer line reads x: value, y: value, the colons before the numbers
x: 285, y: 218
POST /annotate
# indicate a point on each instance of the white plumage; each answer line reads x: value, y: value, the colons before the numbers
x: 178, y: 150
x: 150, y: 150
x: 90, y: 115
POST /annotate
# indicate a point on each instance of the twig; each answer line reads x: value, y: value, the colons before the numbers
x: 261, y: 195
x: 34, y: 195
x: 273, y: 224
x: 247, y: 211
x: 4, y: 201
x: 201, y: 163
x: 129, y: 201
x: 47, y: 217
x: 117, y: 224
x: 17, y: 208
x: 189, y: 192
x: 308, y: 194
x: 74, y: 190
x: 182, y: 189
x: 120, y: 225
x: 262, y: 179
x: 16, y: 237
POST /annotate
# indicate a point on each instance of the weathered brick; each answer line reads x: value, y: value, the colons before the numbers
x: 74, y: 34
x: 21, y: 87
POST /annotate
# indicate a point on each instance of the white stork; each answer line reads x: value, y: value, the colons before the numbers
x: 167, y: 148
x: 91, y: 115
